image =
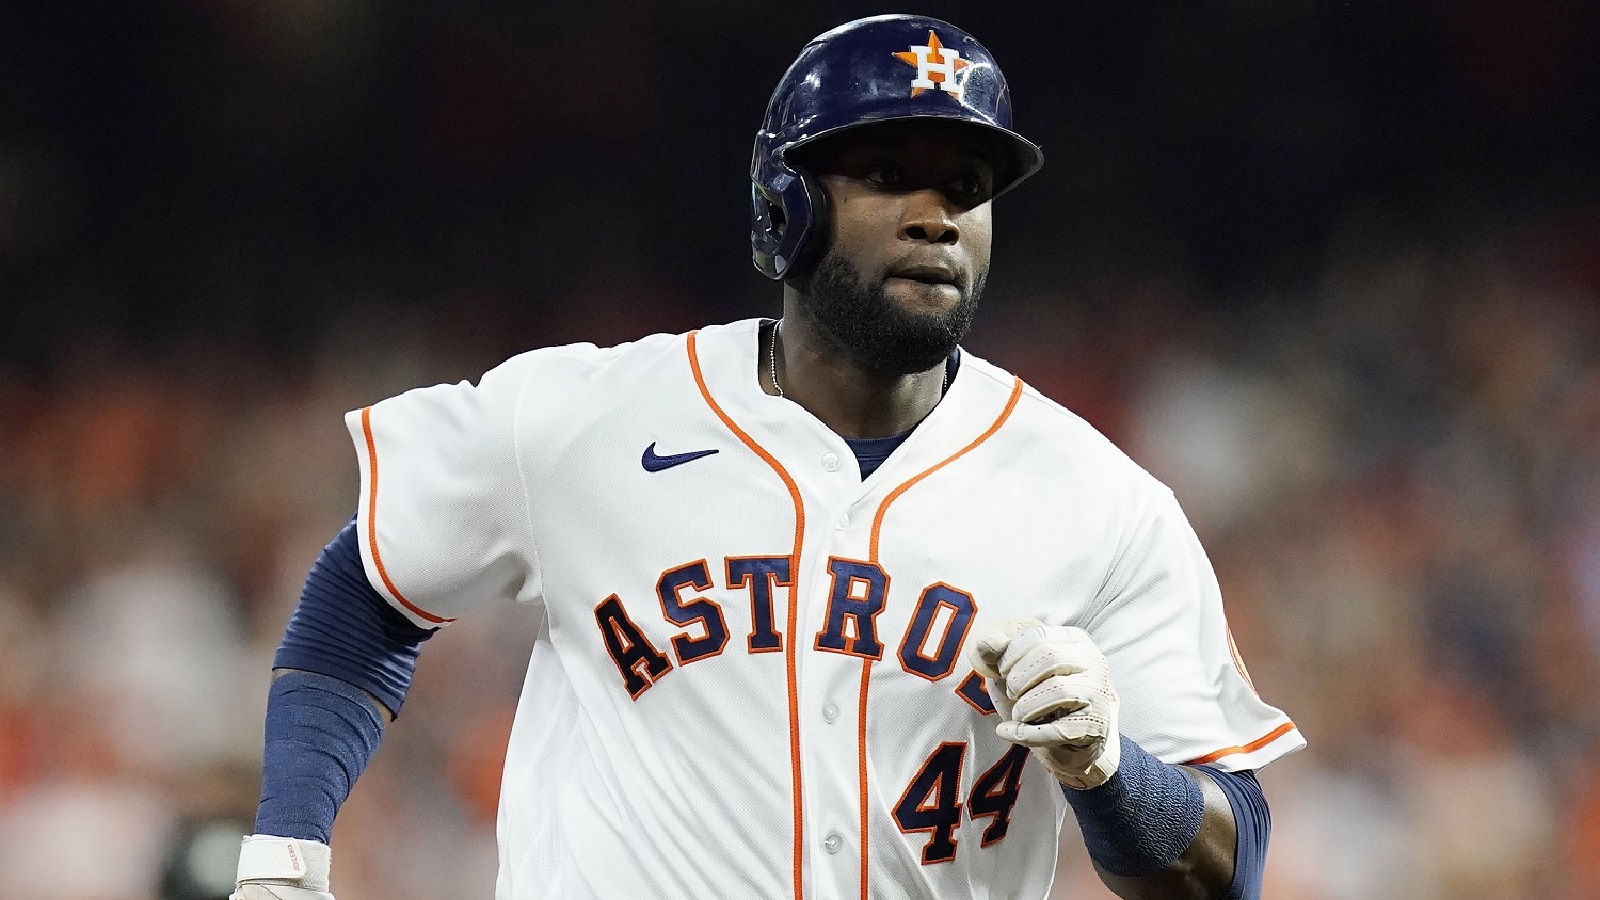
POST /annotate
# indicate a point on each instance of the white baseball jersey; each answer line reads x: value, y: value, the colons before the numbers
x: 751, y: 677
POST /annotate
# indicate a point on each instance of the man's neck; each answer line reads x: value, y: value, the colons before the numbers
x: 851, y: 401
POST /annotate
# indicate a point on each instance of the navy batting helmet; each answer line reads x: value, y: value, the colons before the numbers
x: 865, y: 72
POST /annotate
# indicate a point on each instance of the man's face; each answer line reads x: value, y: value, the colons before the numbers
x: 908, y: 242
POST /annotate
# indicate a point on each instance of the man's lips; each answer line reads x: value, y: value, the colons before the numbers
x: 927, y: 274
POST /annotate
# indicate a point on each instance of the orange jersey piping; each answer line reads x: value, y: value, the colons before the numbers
x: 372, y: 524
x: 794, y: 602
x: 1251, y: 747
x: 872, y: 556
x: 883, y: 508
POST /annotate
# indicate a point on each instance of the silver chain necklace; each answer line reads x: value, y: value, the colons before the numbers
x: 772, y: 356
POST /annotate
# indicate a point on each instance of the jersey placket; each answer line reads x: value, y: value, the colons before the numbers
x: 852, y: 535
x: 842, y: 518
x: 831, y: 686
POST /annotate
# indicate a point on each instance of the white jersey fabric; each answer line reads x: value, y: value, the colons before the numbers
x: 750, y: 680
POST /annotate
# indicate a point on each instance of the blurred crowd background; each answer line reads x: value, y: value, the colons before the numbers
x: 1331, y: 270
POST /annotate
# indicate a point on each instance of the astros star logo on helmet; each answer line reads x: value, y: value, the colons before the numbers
x: 932, y: 72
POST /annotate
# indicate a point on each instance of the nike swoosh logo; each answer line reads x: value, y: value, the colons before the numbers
x: 655, y: 463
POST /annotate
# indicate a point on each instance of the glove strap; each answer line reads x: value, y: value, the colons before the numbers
x: 301, y: 863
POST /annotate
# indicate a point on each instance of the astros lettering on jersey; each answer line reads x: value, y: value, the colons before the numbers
x: 749, y: 680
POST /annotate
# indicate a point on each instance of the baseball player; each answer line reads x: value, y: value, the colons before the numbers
x: 829, y: 606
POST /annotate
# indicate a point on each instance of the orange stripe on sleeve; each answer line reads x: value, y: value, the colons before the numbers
x: 372, y: 524
x: 790, y: 642
x: 1251, y: 747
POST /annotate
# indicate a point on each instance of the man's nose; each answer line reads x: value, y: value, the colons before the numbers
x: 927, y: 219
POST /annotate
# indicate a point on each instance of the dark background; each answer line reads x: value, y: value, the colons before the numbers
x: 1331, y: 271
x: 182, y: 172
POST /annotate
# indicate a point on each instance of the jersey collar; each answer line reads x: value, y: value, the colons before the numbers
x: 730, y: 358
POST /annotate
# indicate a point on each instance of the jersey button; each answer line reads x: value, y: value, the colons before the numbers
x: 830, y: 711
x: 832, y: 842
x: 830, y: 461
x: 844, y: 522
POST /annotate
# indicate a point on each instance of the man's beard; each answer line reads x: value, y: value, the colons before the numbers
x: 864, y: 324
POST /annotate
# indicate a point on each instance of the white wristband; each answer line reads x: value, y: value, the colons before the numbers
x: 267, y: 858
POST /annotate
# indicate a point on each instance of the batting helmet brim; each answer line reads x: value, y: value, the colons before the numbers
x: 1014, y: 157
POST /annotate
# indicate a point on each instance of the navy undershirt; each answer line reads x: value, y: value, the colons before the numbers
x: 871, y: 452
x: 1254, y: 823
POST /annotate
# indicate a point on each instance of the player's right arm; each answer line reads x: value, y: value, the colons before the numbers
x: 340, y: 674
x: 440, y: 527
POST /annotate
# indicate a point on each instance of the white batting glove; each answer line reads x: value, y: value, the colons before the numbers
x: 276, y: 868
x: 1052, y: 688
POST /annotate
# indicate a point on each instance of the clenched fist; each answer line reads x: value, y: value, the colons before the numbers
x: 1052, y: 688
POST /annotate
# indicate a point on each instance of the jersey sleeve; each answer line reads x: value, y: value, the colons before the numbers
x: 1185, y: 695
x: 443, y: 517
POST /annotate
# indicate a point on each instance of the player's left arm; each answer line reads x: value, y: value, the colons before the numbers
x: 1227, y: 855
x: 1153, y: 830
x: 1147, y: 719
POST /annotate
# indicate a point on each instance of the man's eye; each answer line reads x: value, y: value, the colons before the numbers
x: 970, y: 186
x: 885, y: 174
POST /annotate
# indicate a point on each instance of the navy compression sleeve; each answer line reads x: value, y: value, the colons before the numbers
x: 1143, y: 818
x: 321, y: 733
x: 346, y: 629
x: 322, y: 728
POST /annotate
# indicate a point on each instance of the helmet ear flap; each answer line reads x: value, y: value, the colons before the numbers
x: 814, y: 242
x: 768, y: 221
x: 784, y: 218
